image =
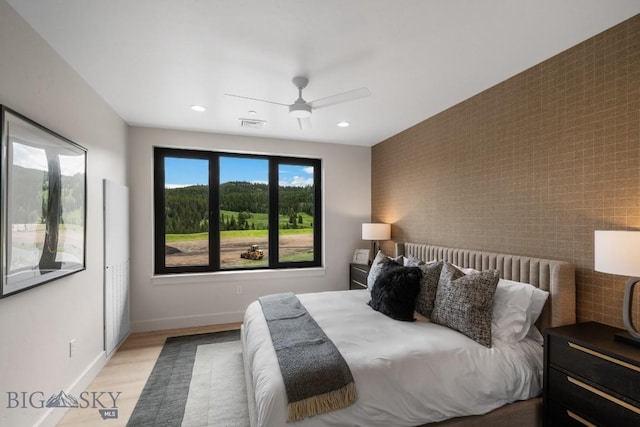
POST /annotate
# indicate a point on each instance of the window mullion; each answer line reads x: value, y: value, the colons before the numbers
x: 159, y: 209
x: 214, y: 212
x: 317, y: 205
x: 273, y: 214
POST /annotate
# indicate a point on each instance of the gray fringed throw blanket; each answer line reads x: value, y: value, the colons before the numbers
x: 316, y: 377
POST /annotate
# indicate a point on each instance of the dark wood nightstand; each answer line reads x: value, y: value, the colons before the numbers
x: 589, y: 378
x: 358, y: 276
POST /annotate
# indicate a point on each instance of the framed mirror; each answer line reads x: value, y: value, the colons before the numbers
x: 43, y: 204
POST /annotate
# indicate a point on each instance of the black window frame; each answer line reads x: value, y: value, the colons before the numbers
x: 159, y: 155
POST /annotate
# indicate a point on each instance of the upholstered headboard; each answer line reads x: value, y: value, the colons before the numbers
x: 555, y: 277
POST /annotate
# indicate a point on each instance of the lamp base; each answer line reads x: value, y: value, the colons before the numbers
x: 632, y: 336
x: 625, y: 337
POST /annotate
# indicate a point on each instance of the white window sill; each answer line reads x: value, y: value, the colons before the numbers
x: 236, y: 276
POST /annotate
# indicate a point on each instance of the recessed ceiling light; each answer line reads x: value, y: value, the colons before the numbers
x: 344, y: 124
x: 198, y: 108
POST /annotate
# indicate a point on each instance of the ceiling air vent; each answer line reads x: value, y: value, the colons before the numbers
x: 252, y: 123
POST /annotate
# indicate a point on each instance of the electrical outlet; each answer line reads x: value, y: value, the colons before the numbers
x: 72, y: 347
x: 239, y: 290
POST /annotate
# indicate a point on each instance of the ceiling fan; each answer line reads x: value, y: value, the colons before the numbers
x: 302, y: 109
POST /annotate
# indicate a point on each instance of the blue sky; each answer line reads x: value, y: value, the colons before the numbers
x: 185, y: 172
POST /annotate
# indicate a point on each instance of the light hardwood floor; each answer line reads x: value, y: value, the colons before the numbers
x: 127, y: 372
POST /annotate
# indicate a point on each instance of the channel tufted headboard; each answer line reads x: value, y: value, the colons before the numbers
x: 555, y: 277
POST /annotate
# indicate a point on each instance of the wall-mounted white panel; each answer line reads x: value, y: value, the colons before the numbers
x: 116, y: 264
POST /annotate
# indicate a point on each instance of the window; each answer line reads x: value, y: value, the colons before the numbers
x: 221, y: 211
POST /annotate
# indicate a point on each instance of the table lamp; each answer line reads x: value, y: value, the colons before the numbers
x: 376, y: 232
x: 618, y: 252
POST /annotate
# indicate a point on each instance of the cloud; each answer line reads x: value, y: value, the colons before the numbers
x: 177, y: 185
x: 30, y: 157
x: 297, y: 181
x: 303, y: 179
x: 71, y: 165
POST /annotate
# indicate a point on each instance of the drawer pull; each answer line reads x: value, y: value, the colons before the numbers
x: 361, y: 284
x: 360, y: 270
x: 579, y: 419
x: 604, y: 395
x: 603, y: 356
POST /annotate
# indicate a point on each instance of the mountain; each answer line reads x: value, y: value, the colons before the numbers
x: 62, y: 400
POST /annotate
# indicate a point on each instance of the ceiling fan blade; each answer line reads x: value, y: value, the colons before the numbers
x: 255, y: 99
x: 304, y: 123
x: 340, y: 98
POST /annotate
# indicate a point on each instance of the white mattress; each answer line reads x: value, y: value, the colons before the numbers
x: 406, y: 373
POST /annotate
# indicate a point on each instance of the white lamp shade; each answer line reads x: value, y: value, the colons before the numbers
x: 617, y: 252
x: 376, y: 231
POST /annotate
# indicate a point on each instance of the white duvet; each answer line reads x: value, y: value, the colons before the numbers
x: 406, y: 373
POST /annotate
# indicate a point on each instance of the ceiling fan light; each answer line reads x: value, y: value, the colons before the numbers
x: 300, y: 111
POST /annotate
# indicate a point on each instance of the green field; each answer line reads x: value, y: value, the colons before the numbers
x: 260, y: 221
x: 172, y: 238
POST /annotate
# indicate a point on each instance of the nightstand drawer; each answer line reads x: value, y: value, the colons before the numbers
x: 358, y: 276
x: 608, y: 371
x: 560, y: 416
x: 579, y: 397
x: 590, y: 378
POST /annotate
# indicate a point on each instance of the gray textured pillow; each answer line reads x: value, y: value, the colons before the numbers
x: 428, y: 287
x: 465, y: 302
x: 412, y: 261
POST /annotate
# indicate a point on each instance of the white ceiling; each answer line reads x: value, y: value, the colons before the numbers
x: 152, y: 59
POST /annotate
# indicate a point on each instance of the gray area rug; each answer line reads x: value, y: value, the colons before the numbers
x: 197, y: 381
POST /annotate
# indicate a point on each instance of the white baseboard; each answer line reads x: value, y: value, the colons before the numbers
x: 186, y: 321
x: 53, y: 415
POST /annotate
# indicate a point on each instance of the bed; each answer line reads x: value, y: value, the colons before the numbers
x: 394, y: 385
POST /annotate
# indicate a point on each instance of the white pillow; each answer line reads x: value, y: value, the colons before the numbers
x: 412, y: 261
x: 535, y: 309
x: 535, y: 335
x: 467, y: 271
x: 516, y: 307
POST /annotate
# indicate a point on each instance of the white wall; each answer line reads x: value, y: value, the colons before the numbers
x: 179, y: 301
x: 37, y: 325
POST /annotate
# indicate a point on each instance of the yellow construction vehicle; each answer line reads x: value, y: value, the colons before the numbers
x: 253, y: 253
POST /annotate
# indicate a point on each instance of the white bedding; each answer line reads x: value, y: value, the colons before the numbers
x: 406, y: 373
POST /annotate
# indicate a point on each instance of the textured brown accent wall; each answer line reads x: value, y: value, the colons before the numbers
x: 531, y: 166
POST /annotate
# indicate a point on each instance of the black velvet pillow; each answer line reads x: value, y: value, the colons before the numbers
x: 395, y: 290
